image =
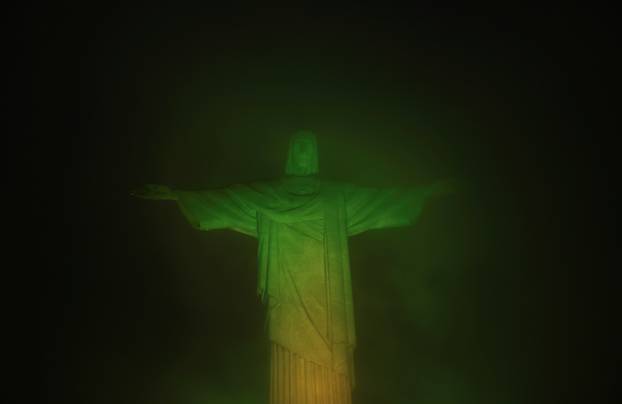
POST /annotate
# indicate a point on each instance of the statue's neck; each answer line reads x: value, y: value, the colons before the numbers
x: 301, y: 184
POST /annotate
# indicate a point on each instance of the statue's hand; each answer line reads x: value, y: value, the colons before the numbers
x: 153, y: 191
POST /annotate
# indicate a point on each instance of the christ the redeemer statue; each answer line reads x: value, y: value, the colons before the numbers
x: 302, y: 225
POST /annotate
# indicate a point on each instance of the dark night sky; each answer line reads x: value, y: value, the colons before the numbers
x: 490, y: 298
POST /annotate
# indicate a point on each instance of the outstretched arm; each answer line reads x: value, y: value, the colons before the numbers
x: 378, y: 208
x: 226, y: 208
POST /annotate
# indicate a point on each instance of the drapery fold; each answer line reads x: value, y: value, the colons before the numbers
x: 294, y: 380
x: 302, y: 226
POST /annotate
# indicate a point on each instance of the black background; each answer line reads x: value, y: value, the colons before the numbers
x: 513, y: 102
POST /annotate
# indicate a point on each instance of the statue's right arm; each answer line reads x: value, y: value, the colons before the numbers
x: 155, y: 192
x: 226, y: 208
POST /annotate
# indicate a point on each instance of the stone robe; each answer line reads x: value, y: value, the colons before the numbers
x: 302, y: 227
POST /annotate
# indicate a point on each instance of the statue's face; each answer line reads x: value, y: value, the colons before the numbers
x: 302, y: 156
x: 303, y: 153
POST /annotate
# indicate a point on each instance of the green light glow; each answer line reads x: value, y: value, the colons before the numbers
x: 302, y: 224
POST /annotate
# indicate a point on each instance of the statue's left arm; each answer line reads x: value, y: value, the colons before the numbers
x: 378, y: 208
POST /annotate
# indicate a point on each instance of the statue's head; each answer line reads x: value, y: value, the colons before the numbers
x: 302, y: 158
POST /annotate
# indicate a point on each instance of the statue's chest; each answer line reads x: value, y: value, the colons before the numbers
x: 301, y: 231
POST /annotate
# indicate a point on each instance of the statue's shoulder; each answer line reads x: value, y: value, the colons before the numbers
x: 260, y: 184
x: 329, y: 184
x: 335, y: 187
x: 261, y: 187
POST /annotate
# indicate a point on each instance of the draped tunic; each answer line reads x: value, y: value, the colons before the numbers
x: 304, y: 277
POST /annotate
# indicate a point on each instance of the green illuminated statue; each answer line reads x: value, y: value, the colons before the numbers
x: 302, y: 225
